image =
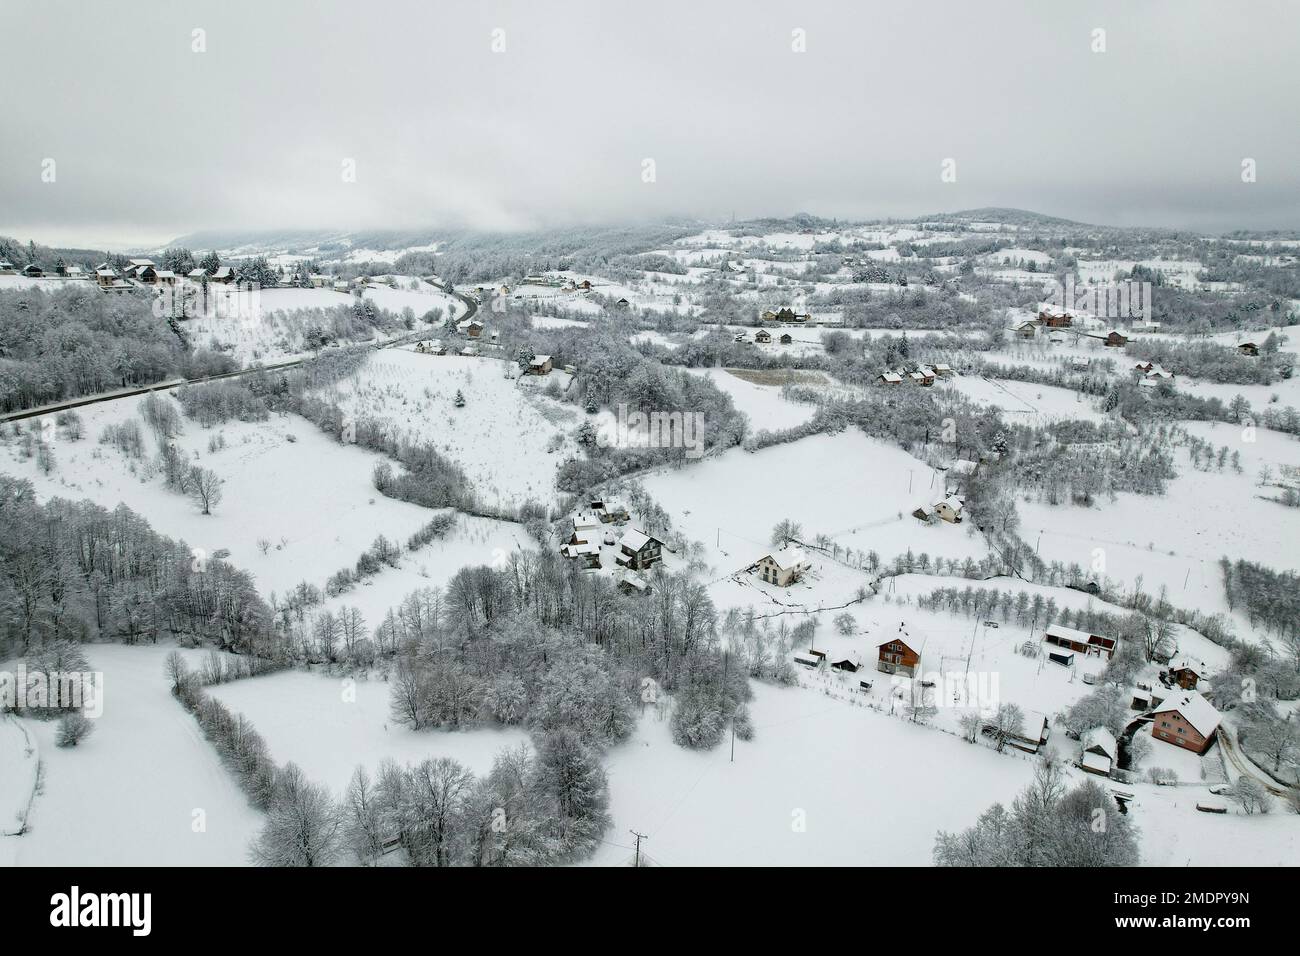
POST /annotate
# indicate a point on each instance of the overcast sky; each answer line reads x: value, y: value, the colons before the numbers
x: 151, y: 140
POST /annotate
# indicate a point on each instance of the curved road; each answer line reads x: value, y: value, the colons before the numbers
x: 471, y: 308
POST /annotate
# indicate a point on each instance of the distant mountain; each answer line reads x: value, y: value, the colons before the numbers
x: 1012, y: 217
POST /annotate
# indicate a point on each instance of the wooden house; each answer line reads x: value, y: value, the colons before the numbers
x: 783, y: 567
x: 638, y: 550
x: 851, y: 663
x: 896, y: 657
x: 1186, y: 720
x: 890, y: 378
x: 942, y: 369
x: 630, y: 582
x: 7, y: 268
x: 1187, y: 672
x: 583, y: 545
x: 33, y: 271
x: 1034, y: 731
x: 1054, y: 320
x: 763, y: 337
x: 609, y: 510
x: 470, y: 328
x: 540, y: 365
x: 1081, y: 642
x: 225, y: 275
x: 786, y: 338
x: 1113, y: 339
x: 197, y: 275
x: 1248, y: 348
x: 1099, y: 751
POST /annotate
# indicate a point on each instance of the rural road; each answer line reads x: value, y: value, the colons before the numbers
x: 471, y: 307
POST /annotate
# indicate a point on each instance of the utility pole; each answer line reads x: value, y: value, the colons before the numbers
x: 639, y: 838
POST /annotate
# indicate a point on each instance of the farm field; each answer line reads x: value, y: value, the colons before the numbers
x: 509, y: 439
x: 286, y: 483
x: 144, y: 789
x: 329, y: 726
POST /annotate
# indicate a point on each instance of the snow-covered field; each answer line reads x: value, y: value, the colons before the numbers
x: 509, y: 439
x: 858, y: 491
x: 329, y: 726
x: 144, y: 789
x: 1177, y: 539
x: 1027, y: 402
x: 766, y: 408
x: 310, y: 498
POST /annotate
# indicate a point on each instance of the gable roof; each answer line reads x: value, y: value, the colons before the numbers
x: 899, y: 640
x: 788, y: 558
x: 1194, y: 708
x: 636, y: 539
x: 1102, y: 739
x: 1070, y: 634
x: 1189, y: 664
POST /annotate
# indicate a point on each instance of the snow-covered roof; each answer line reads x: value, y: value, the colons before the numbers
x: 953, y: 502
x: 963, y: 466
x: 1069, y: 633
x: 1194, y: 708
x: 583, y: 520
x: 197, y: 273
x: 1097, y: 762
x: 892, y: 377
x: 1188, y: 664
x: 540, y: 360
x: 581, y: 547
x: 1103, y: 738
x: 634, y: 539
x: 633, y: 579
x: 789, y: 558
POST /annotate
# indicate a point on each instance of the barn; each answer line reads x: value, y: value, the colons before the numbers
x: 1080, y: 642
